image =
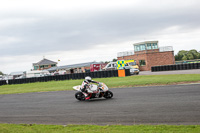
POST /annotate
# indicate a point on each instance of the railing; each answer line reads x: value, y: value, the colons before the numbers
x: 128, y: 53
x: 165, y: 49
x: 125, y: 53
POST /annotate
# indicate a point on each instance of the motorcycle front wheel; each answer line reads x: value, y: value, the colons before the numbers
x: 80, y: 96
x: 108, y: 94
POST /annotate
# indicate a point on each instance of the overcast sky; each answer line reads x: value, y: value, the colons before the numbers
x: 78, y: 31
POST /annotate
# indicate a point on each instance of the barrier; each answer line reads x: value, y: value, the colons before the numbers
x: 3, y: 82
x: 198, y: 65
x: 158, y: 68
x: 195, y: 66
x: 97, y: 74
x: 127, y: 72
x: 152, y: 69
x: 121, y: 73
x: 176, y: 67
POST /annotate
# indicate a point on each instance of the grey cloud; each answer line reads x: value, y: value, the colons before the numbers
x: 66, y: 32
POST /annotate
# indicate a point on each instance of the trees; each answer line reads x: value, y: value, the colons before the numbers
x: 114, y: 60
x: 1, y: 73
x: 187, y: 55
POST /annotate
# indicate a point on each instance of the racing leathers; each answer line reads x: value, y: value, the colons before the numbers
x: 85, y: 86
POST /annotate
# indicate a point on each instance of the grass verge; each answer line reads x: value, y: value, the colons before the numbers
x: 33, y: 128
x: 114, y: 82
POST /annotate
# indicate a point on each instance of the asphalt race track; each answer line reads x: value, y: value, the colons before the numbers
x: 174, y: 104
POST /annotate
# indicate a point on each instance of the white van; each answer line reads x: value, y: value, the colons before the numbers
x: 111, y: 66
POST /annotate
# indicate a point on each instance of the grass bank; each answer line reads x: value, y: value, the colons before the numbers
x: 131, y: 81
x: 33, y: 128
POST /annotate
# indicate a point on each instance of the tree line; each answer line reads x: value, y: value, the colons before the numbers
x: 187, y: 55
x: 1, y: 73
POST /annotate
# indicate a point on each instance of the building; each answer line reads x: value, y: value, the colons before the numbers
x: 74, y: 68
x: 17, y: 75
x: 37, y: 73
x: 44, y: 64
x: 148, y: 54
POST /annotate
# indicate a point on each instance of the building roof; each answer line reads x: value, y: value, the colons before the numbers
x: 17, y: 73
x: 44, y: 62
x: 145, y: 42
x: 72, y: 66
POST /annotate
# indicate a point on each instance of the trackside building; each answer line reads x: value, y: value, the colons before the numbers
x: 148, y: 54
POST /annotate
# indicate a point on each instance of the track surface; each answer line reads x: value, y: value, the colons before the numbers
x: 175, y: 104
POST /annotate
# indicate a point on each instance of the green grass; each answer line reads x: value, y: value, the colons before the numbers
x: 33, y: 128
x: 131, y: 81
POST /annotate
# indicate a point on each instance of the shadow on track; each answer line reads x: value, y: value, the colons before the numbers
x: 96, y: 100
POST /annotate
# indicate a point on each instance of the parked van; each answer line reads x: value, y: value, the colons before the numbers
x: 111, y: 66
x: 97, y: 67
x: 122, y: 63
x: 133, y: 64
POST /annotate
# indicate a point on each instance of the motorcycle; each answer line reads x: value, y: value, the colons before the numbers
x: 97, y: 91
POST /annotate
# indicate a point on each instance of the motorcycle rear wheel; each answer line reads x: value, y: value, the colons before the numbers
x: 80, y: 96
x: 108, y: 95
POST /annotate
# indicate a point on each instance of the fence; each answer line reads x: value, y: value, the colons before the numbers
x: 176, y: 67
x: 98, y: 74
x: 3, y: 82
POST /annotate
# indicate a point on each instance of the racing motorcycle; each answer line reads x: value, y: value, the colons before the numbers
x: 97, y: 91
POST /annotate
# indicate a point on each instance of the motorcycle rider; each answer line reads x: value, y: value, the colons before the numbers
x: 85, y: 86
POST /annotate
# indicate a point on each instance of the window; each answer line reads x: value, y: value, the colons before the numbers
x: 142, y: 47
x: 36, y: 67
x: 46, y: 66
x: 128, y: 67
x: 132, y: 63
x: 53, y: 65
x: 154, y: 46
x: 137, y: 48
x: 149, y: 46
x: 142, y: 62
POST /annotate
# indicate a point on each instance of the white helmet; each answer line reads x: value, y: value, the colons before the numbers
x: 88, y: 79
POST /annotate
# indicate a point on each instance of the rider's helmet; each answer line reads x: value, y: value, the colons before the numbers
x: 88, y: 79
